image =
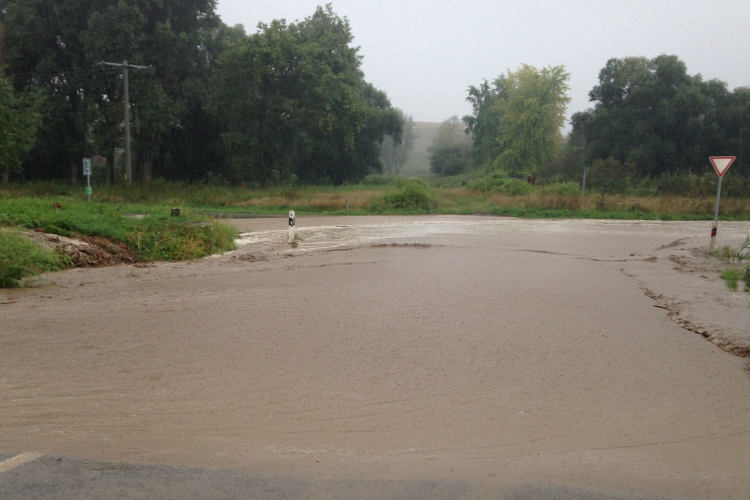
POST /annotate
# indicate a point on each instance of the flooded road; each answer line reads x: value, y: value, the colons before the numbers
x: 475, y: 349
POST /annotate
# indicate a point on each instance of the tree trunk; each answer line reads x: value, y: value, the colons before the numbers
x: 109, y: 170
x: 6, y: 176
x: 147, y: 171
x: 73, y: 173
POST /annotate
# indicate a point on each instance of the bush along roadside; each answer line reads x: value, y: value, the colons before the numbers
x: 412, y: 196
x: 153, y: 236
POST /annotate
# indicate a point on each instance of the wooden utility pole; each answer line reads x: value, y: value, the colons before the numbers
x: 126, y: 114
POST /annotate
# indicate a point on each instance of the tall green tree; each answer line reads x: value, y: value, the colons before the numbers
x: 344, y: 118
x: 653, y: 114
x: 57, y: 45
x: 20, y: 117
x: 43, y: 48
x: 516, y: 120
x: 530, y: 117
x: 484, y: 122
x: 254, y: 95
x: 292, y: 100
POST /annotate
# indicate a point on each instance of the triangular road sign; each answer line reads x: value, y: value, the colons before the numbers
x: 722, y: 163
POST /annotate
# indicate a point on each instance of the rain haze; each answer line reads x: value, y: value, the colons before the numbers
x: 426, y: 54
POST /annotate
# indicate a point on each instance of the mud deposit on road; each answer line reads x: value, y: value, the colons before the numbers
x: 479, y: 349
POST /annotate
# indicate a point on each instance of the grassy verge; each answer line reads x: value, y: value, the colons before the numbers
x: 157, y: 236
x: 195, y: 234
x: 20, y: 258
x: 444, y: 196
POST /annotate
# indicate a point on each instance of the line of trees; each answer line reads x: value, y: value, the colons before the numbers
x: 650, y: 119
x: 652, y: 115
x: 287, y: 101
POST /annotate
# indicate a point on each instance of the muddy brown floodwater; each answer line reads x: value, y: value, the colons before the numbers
x: 485, y: 349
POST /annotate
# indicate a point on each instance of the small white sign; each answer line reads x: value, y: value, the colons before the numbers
x: 87, y: 166
x: 292, y: 216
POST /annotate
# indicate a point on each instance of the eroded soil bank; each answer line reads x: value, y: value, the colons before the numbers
x: 481, y: 349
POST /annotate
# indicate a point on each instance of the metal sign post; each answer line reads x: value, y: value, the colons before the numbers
x: 292, y: 218
x: 721, y: 165
x: 87, y: 173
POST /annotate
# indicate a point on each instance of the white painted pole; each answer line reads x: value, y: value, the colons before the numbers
x: 292, y: 218
x: 715, y: 227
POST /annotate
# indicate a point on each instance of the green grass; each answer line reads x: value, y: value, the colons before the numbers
x: 501, y: 196
x: 197, y: 234
x: 20, y: 258
x: 732, y: 277
x: 156, y: 237
x: 738, y: 254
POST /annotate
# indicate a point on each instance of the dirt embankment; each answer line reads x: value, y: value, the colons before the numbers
x: 86, y: 251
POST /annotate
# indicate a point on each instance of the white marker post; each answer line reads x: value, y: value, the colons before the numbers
x: 292, y: 218
x: 87, y: 173
x: 721, y: 165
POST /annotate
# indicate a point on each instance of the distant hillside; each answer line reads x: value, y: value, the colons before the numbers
x: 419, y: 160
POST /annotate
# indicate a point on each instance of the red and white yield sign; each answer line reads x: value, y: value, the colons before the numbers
x: 722, y: 163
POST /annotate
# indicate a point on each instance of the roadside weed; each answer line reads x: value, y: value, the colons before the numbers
x: 20, y: 258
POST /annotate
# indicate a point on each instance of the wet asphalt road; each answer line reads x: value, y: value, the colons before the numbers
x: 615, y: 400
x: 51, y: 477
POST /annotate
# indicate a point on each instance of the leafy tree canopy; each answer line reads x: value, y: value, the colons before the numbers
x: 652, y: 114
x: 293, y: 100
x: 20, y: 117
x: 516, y: 121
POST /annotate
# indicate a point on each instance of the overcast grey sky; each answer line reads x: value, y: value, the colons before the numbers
x: 425, y: 54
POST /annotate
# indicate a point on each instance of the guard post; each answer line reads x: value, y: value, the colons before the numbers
x: 292, y: 218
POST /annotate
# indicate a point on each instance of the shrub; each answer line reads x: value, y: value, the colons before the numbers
x: 449, y: 161
x: 610, y: 174
x: 499, y: 181
x: 489, y: 183
x: 414, y: 194
x: 516, y: 187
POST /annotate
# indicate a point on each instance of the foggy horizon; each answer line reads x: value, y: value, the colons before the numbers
x: 425, y: 56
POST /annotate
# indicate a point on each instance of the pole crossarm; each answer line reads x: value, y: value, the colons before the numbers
x: 120, y: 65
